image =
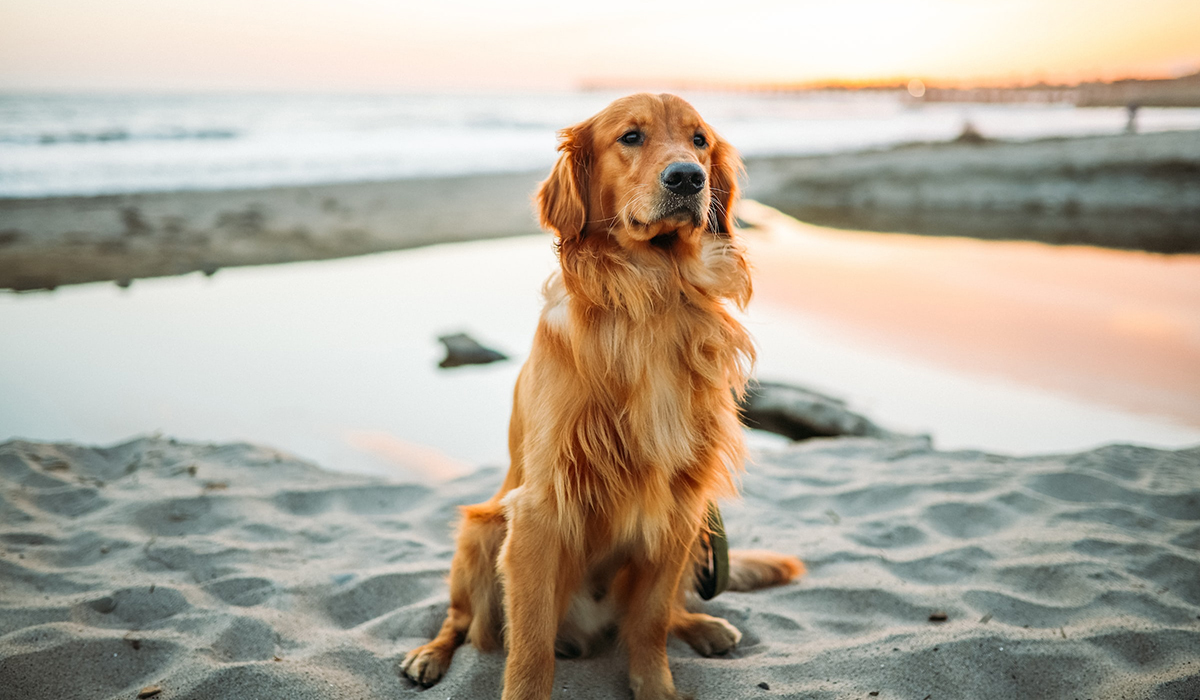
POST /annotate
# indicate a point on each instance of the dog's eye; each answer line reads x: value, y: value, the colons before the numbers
x: 699, y: 140
x: 632, y: 138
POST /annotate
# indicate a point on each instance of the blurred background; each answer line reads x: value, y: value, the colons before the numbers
x: 252, y: 221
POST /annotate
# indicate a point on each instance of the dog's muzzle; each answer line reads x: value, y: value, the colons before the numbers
x: 682, y: 196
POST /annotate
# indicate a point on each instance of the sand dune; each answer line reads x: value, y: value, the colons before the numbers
x: 222, y: 571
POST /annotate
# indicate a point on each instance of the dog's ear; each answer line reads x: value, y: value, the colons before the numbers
x: 726, y: 169
x: 562, y: 198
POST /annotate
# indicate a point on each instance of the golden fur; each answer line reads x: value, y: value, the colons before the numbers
x: 624, y: 422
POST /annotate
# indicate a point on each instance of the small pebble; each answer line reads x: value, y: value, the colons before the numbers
x: 873, y: 693
x: 149, y: 691
x: 938, y: 616
x: 764, y: 686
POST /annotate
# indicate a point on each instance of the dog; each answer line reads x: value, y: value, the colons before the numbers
x: 625, y: 417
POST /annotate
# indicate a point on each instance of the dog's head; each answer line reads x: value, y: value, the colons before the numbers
x: 646, y: 170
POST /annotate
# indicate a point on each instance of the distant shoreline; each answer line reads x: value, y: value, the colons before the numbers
x: 1129, y: 191
x: 46, y: 242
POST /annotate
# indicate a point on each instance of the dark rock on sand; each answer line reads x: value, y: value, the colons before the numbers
x: 462, y: 349
x: 801, y: 414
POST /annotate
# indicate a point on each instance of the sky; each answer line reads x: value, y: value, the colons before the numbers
x: 369, y: 45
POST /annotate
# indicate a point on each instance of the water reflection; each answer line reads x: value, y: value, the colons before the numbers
x: 1115, y: 327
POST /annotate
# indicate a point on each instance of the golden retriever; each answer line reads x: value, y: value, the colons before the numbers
x: 625, y: 421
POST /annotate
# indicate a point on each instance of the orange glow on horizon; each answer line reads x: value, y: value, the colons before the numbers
x: 382, y: 44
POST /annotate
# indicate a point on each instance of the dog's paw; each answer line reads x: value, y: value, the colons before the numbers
x: 709, y: 636
x: 425, y: 665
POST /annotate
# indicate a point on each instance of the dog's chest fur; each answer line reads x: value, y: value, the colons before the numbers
x: 651, y: 428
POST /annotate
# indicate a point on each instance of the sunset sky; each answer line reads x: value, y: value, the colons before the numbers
x: 472, y: 44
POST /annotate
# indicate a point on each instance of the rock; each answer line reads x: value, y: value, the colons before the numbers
x: 462, y: 349
x: 801, y: 414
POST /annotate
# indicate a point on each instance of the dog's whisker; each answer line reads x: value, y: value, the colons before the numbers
x: 635, y: 199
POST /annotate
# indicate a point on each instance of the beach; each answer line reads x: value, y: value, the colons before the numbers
x: 224, y: 476
x: 216, y: 571
x: 207, y: 570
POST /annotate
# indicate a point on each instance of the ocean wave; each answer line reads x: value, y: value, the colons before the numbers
x: 53, y: 145
x: 111, y: 135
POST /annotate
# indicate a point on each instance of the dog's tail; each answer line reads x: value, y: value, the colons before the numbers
x: 751, y: 569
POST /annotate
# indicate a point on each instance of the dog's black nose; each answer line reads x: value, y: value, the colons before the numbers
x: 683, y: 178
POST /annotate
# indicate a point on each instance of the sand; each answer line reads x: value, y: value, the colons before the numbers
x: 52, y: 241
x: 236, y: 571
x: 1125, y: 191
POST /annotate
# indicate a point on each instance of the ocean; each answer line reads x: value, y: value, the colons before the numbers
x: 92, y: 144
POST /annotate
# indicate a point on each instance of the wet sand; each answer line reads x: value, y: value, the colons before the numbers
x: 1132, y: 191
x: 48, y: 242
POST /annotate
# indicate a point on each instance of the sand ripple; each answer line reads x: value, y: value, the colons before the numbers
x: 219, y: 571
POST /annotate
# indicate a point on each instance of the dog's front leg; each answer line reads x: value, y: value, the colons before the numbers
x: 537, y: 585
x: 649, y: 597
